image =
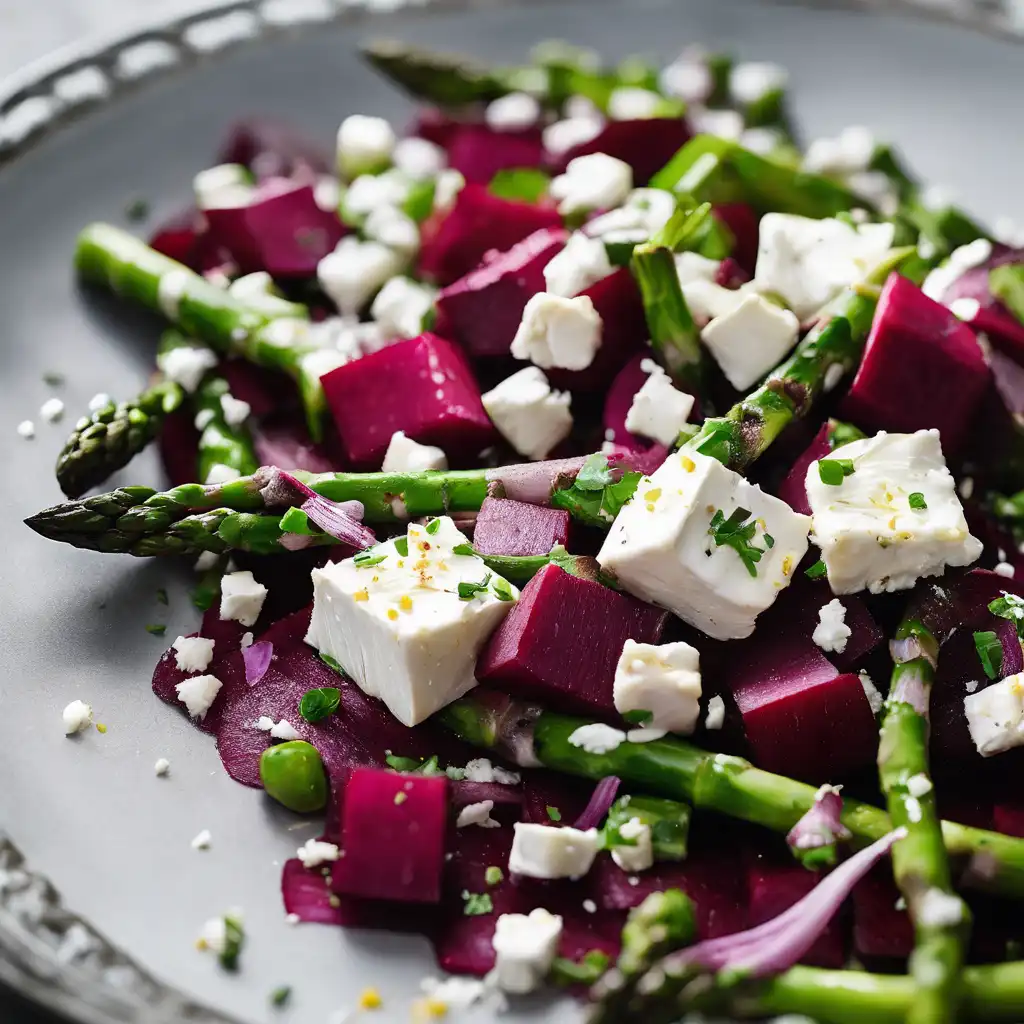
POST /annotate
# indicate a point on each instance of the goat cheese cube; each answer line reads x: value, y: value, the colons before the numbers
x: 241, y: 598
x: 525, y: 946
x: 193, y: 653
x: 365, y: 145
x: 186, y: 365
x: 831, y: 633
x: 512, y: 113
x: 52, y: 410
x: 404, y: 455
x: 419, y: 159
x: 557, y: 331
x: 691, y: 266
x: 753, y: 80
x: 640, y: 856
x: 547, y: 851
x: 77, y: 717
x: 400, y: 307
x: 596, y: 181
x: 198, y: 693
x: 870, y: 533
x: 583, y: 262
x: 849, y: 153
x: 371, y: 192
x: 645, y: 212
x: 663, y: 679
x: 698, y: 539
x: 707, y: 300
x: 258, y: 292
x: 809, y: 262
x: 356, y: 271
x: 393, y: 228
x: 529, y: 415
x: 687, y: 78
x: 995, y: 716
x: 658, y: 409
x: 726, y: 124
x: 407, y: 619
x: 750, y: 339
x: 629, y: 103
x: 224, y: 187
x: 316, y: 852
x: 561, y: 136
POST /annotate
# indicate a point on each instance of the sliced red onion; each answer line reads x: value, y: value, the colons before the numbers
x: 820, y: 826
x: 294, y: 541
x: 600, y: 803
x: 257, y: 658
x: 464, y: 793
x: 631, y: 460
x: 778, y: 944
x: 910, y: 688
x: 533, y: 482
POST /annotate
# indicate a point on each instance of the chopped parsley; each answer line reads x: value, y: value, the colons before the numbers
x: 402, y: 546
x: 53, y: 378
x: 467, y: 590
x: 990, y: 652
x: 477, y: 903
x: 463, y: 549
x: 494, y: 875
x: 594, y: 498
x: 554, y: 813
x: 586, y: 971
x: 834, y: 471
x: 234, y: 939
x: 433, y: 526
x: 502, y: 589
x: 816, y: 571
x: 1011, y: 607
x: 137, y: 209
x: 280, y: 995
x: 331, y: 663
x: 737, y: 532
x: 595, y: 474
x: 319, y: 703
x: 156, y: 628
x: 638, y: 717
x: 402, y: 764
x: 916, y: 501
x: 161, y: 595
x: 520, y: 184
x: 367, y: 558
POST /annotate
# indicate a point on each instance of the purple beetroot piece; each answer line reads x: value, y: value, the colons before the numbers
x: 423, y: 386
x: 273, y: 149
x: 482, y: 310
x: 793, y: 489
x: 506, y: 527
x: 922, y: 368
x: 393, y: 837
x: 645, y: 144
x: 563, y: 639
x: 456, y: 242
x: 744, y: 226
x: 479, y: 152
x: 880, y: 931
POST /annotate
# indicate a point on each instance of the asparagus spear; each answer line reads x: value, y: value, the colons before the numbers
x: 221, y: 443
x: 729, y: 785
x: 112, y: 435
x: 113, y: 258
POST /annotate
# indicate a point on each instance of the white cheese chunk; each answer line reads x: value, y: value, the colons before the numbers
x: 875, y: 699
x: 583, y: 262
x: 395, y: 229
x: 77, y: 717
x: 561, y: 136
x: 235, y: 411
x: 52, y: 410
x: 938, y: 909
x: 715, y: 717
x: 763, y: 141
x: 99, y: 401
x: 640, y: 856
x: 687, y: 78
x: 662, y: 547
x: 399, y: 627
x: 592, y: 182
x: 193, y: 653
x: 832, y: 632
x: 808, y: 262
x: 596, y: 738
x: 546, y: 851
x: 850, y: 152
x: 658, y: 409
x: 726, y: 124
x: 258, y: 291
x: 995, y: 716
x: 753, y: 80
x: 186, y: 365
x: 530, y: 416
x: 750, y: 339
x: 870, y: 537
x: 629, y: 103
x: 26, y: 429
x: 645, y: 212
x: 203, y: 840
x: 162, y: 767
x: 370, y: 192
x: 512, y: 113
x: 419, y: 159
x: 404, y: 455
x: 400, y: 307
x: 315, y: 852
x: 356, y: 271
x: 918, y: 785
x: 691, y: 266
x: 557, y: 331
x: 707, y: 300
x: 241, y: 598
x: 960, y: 260
x: 198, y: 693
x: 219, y: 473
x: 480, y: 769
x: 365, y: 145
x: 477, y: 814
x: 284, y: 730
x: 525, y: 946
x: 663, y: 679
x: 224, y: 187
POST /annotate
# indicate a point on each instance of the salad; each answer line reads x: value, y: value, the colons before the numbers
x: 606, y: 513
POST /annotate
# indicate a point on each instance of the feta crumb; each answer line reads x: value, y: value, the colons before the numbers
x: 100, y: 401
x: 186, y: 365
x: 206, y: 561
x: 753, y: 80
x: 264, y: 723
x: 640, y: 856
x: 395, y: 229
x: 556, y: 331
x: 220, y: 473
x: 203, y: 840
x: 315, y: 852
x: 592, y: 182
x: 938, y: 909
x: 371, y: 192
x: 356, y: 270
x: 241, y: 598
x: 763, y: 141
x: 913, y: 809
x: 716, y: 713
x: 1005, y: 569
x: 529, y: 414
x: 223, y: 187
x: 400, y: 307
x: 661, y: 679
x: 658, y: 410
x: 514, y: 112
x: 590, y: 906
x: 284, y: 730
x: 193, y: 653
x: 246, y: 641
x: 204, y: 418
x: 235, y: 411
x: 966, y: 309
x: 162, y: 767
x: 918, y: 785
x: 292, y: 919
x: 365, y: 145
x: 77, y: 717
x: 832, y: 633
x: 995, y: 716
x: 971, y: 685
x: 548, y: 852
x: 455, y: 992
x: 966, y: 488
x: 960, y: 260
x: 419, y: 159
x: 645, y: 735
x: 597, y: 738
x: 477, y: 814
x: 52, y: 410
x: 449, y: 184
x: 725, y: 124
x: 561, y: 136
x: 875, y: 700
x: 629, y: 103
x: 849, y: 153
x: 525, y: 946
x: 404, y: 455
x: 645, y: 212
x: 198, y: 693
x: 480, y: 769
x: 26, y: 429
x: 583, y: 262
x: 688, y: 79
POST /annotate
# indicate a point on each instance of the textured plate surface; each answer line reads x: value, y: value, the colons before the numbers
x: 89, y: 812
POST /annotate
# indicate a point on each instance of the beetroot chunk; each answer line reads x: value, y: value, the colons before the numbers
x: 392, y: 835
x: 479, y: 152
x: 793, y: 489
x: 922, y: 368
x: 482, y: 310
x: 477, y: 223
x: 563, y: 639
x: 879, y: 929
x: 506, y: 527
x: 645, y: 144
x: 274, y: 149
x: 744, y: 226
x: 423, y: 386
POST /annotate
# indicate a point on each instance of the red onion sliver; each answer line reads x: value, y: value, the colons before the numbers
x: 533, y: 482
x: 820, y: 826
x: 257, y: 659
x: 600, y: 802
x: 334, y: 519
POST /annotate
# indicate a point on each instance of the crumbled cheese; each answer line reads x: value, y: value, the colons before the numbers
x: 224, y: 187
x: 26, y: 429
x: 220, y: 473
x: 831, y: 632
x: 446, y: 189
x: 193, y: 653
x: 514, y: 112
x: 198, y: 693
x: 629, y: 103
x: 206, y: 561
x: 419, y: 159
x: 52, y: 410
x: 365, y: 145
x: 204, y: 418
x: 995, y: 716
x: 590, y: 906
x: 529, y: 415
x: 597, y: 738
x: 172, y: 287
x: 875, y: 700
x: 918, y: 785
x: 264, y: 723
x: 645, y: 212
x: 715, y: 718
x: 658, y: 410
x: 186, y: 365
x: 639, y: 857
x: 849, y: 153
x: 687, y: 78
x: 763, y: 141
x: 960, y: 260
x: 869, y: 535
x: 1005, y: 569
x: 257, y: 291
x: 556, y: 331
x: 404, y: 455
x: 77, y: 717
x: 235, y: 411
x: 753, y: 80
x: 525, y: 946
x: 480, y: 769
x: 370, y: 192
x: 549, y: 852
x: 583, y: 262
x: 327, y: 193
x: 966, y: 309
x: 913, y: 809
x: 246, y: 641
x: 477, y: 814
x: 355, y: 271
x: 100, y: 401
x: 241, y: 597
x: 395, y: 229
x: 203, y: 840
x: 162, y: 766
x: 938, y: 909
x: 315, y: 852
x: 725, y: 124
x: 400, y: 307
x: 456, y: 992
x: 662, y: 679
x: 561, y: 136
x: 971, y: 685
x: 284, y: 730
x: 592, y: 182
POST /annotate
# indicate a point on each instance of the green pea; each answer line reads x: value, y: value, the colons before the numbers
x: 293, y: 774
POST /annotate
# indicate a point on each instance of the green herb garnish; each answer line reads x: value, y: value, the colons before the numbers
x: 586, y: 971
x: 834, y: 471
x: 433, y: 526
x: 520, y: 184
x: 494, y: 875
x: 331, y: 663
x: 502, y: 589
x: 1007, y: 284
x: 156, y: 628
x: 280, y: 995
x: 595, y: 474
x: 593, y: 498
x: 366, y: 558
x: 161, y: 595
x: 463, y: 549
x: 916, y: 501
x: 477, y: 903
x: 816, y: 571
x: 234, y: 939
x: 1010, y: 607
x: 319, y: 703
x: 402, y: 546
x: 990, y: 652
x: 137, y: 209
x: 402, y: 764
x: 54, y: 379
x: 554, y: 813
x: 467, y: 591
x: 638, y: 717
x: 737, y: 532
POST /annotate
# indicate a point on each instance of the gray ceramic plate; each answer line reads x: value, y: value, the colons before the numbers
x: 88, y: 813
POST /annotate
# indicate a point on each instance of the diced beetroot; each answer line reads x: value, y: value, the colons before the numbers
x: 774, y: 888
x: 922, y: 368
x: 392, y: 835
x: 744, y: 225
x: 478, y: 222
x: 730, y: 274
x: 423, y: 386
x: 623, y: 333
x: 435, y: 126
x: 879, y: 929
x: 1009, y: 819
x: 563, y: 639
x: 793, y: 489
x: 479, y: 152
x: 482, y: 310
x: 284, y: 233
x: 645, y: 144
x: 273, y: 149
x: 179, y: 236
x: 506, y: 527
x: 179, y: 447
x: 284, y: 441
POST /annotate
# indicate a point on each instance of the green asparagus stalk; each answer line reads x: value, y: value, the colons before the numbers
x: 112, y: 435
x: 941, y: 919
x: 729, y: 785
x: 221, y: 443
